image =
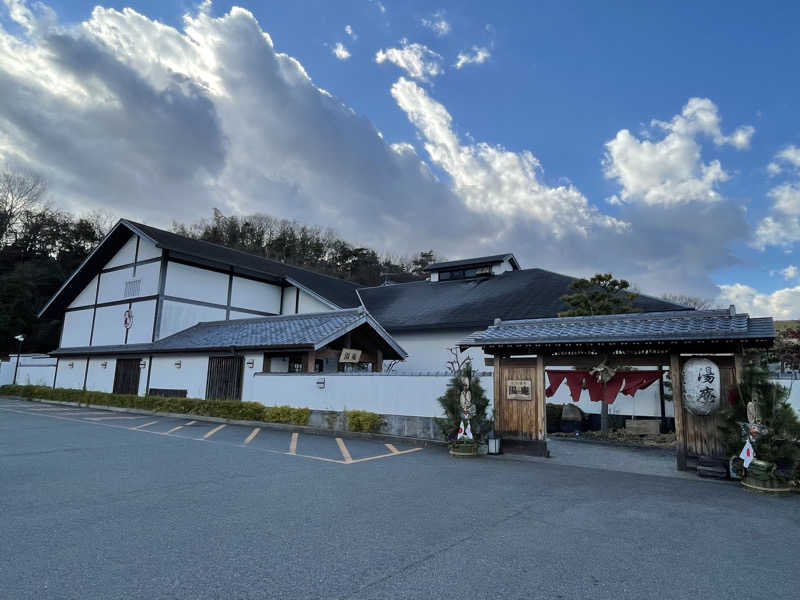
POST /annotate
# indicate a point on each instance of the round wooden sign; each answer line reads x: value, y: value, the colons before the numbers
x: 701, y: 386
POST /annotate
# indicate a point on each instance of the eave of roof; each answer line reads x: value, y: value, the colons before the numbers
x: 478, y: 261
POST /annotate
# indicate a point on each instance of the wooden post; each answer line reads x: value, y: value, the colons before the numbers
x: 738, y: 367
x: 541, y: 412
x: 677, y: 402
x: 496, y: 402
x: 378, y: 361
x: 310, y: 356
x: 663, y: 427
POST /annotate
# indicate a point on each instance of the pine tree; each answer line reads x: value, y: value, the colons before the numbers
x: 480, y: 422
x: 781, y: 442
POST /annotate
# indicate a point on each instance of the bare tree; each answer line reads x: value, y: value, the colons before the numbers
x: 19, y: 193
x: 690, y: 301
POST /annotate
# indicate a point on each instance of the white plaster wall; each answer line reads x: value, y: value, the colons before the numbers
x: 71, y: 377
x: 112, y: 285
x: 256, y: 295
x: 109, y: 328
x: 125, y: 255
x: 179, y: 315
x: 427, y: 351
x: 289, y: 300
x: 86, y: 297
x: 33, y: 370
x: 194, y: 283
x: 141, y: 332
x: 385, y: 394
x: 309, y: 304
x: 99, y: 379
x: 190, y: 377
x: 77, y: 328
x: 235, y: 314
x: 148, y: 250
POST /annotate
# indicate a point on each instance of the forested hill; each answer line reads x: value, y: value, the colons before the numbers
x: 40, y: 247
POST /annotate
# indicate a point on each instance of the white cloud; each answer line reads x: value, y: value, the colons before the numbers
x: 340, y: 52
x: 349, y: 31
x: 781, y: 304
x: 671, y: 171
x: 437, y: 23
x: 493, y: 180
x: 477, y: 57
x: 782, y: 226
x: 789, y: 272
x: 157, y: 123
x: 417, y: 60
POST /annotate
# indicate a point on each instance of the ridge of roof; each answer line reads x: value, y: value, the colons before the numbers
x: 492, y: 258
x: 242, y: 252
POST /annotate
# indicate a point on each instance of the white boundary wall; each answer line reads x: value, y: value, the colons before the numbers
x: 404, y: 395
x: 33, y: 370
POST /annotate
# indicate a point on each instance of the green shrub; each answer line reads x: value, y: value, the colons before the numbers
x: 242, y: 411
x: 287, y: 414
x: 363, y: 420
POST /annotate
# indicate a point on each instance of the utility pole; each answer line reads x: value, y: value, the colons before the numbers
x: 20, y: 338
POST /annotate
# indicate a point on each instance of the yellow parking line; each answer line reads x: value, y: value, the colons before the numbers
x: 345, y: 452
x: 213, y: 431
x: 143, y: 425
x: 181, y: 426
x: 358, y: 460
x: 110, y: 418
x: 253, y: 434
x: 392, y: 449
x: 293, y: 443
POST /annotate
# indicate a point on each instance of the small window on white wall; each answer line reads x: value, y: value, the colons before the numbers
x: 133, y: 287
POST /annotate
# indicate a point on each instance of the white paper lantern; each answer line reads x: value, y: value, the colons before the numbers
x: 701, y: 386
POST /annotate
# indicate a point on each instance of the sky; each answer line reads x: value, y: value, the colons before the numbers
x: 657, y: 141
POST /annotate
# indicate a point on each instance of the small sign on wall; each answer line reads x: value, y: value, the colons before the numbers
x: 349, y: 355
x: 518, y: 389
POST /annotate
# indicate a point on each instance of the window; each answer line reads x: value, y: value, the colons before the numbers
x: 291, y: 363
x: 465, y: 273
x: 133, y: 287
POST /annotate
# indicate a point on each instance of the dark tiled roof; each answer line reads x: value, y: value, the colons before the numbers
x: 340, y: 292
x: 473, y: 303
x: 307, y: 331
x: 466, y: 262
x: 687, y: 325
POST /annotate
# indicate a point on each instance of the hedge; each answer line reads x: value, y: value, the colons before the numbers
x: 363, y: 420
x: 243, y: 411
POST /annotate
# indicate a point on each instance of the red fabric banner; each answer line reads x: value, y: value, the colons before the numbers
x: 639, y: 380
x: 612, y: 388
x: 574, y: 382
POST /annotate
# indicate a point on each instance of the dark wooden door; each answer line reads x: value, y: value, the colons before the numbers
x: 225, y: 378
x: 126, y: 376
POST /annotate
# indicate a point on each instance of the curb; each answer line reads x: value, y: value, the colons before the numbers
x: 358, y: 435
x: 613, y: 444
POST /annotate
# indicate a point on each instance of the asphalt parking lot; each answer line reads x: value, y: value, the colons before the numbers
x: 95, y: 507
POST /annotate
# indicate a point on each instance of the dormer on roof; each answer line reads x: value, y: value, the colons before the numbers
x: 468, y: 268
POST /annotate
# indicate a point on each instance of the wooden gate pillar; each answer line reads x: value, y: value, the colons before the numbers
x: 677, y: 402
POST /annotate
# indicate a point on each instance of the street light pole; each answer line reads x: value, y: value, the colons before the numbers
x: 20, y: 338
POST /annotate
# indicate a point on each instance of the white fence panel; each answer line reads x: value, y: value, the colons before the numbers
x: 404, y: 395
x: 33, y: 370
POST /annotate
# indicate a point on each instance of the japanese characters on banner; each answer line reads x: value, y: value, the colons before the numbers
x: 518, y: 389
x: 701, y: 386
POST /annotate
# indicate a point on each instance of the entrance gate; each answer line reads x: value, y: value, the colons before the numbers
x: 519, y: 398
x: 224, y: 380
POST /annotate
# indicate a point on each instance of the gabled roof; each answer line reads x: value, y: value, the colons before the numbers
x: 474, y: 303
x: 661, y: 327
x: 473, y: 262
x: 333, y: 291
x: 310, y: 331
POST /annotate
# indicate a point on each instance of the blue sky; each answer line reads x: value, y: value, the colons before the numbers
x: 520, y: 162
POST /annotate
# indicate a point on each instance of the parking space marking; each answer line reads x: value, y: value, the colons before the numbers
x: 110, y: 418
x: 410, y: 450
x: 346, y: 459
x: 344, y: 450
x: 253, y: 434
x: 213, y: 431
x: 181, y: 426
